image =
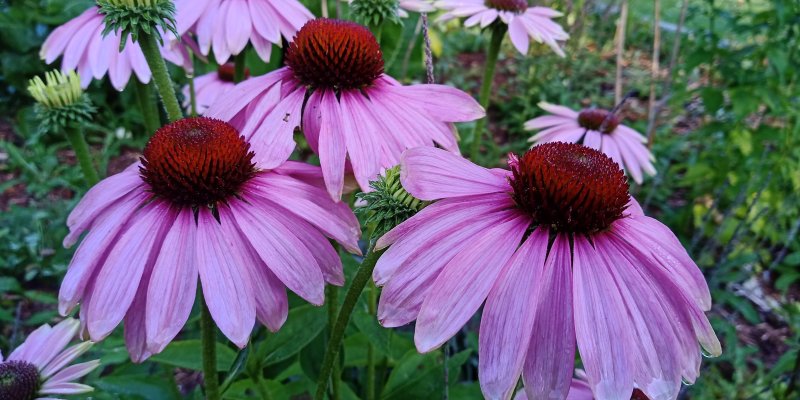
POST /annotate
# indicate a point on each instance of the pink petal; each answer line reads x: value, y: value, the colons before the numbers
x: 429, y: 174
x: 173, y: 284
x: 272, y: 305
x: 601, y: 325
x: 238, y: 26
x: 442, y: 102
x: 332, y: 144
x: 118, y: 280
x: 221, y: 260
x: 508, y: 318
x: 71, y: 373
x: 551, y: 353
x: 273, y: 141
x: 465, y: 282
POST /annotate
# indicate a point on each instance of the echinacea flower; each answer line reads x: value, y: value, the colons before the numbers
x: 226, y: 26
x: 523, y: 22
x: 84, y: 48
x: 197, y: 206
x: 210, y: 87
x: 351, y: 108
x: 561, y: 253
x: 598, y: 129
x: 38, y: 368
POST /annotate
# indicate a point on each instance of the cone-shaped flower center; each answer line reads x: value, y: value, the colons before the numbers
x: 569, y: 187
x: 227, y: 73
x: 19, y: 380
x: 517, y: 6
x: 335, y: 54
x: 598, y: 120
x: 197, y: 162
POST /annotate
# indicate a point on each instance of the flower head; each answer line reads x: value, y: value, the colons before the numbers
x: 227, y: 26
x: 560, y: 254
x: 197, y: 206
x: 85, y: 49
x: 37, y: 369
x: 402, y: 7
x: 334, y: 89
x: 599, y: 129
x: 60, y: 100
x: 523, y: 22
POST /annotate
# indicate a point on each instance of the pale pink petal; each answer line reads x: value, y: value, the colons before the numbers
x: 70, y: 373
x: 442, y: 102
x: 238, y: 25
x: 66, y: 388
x: 272, y: 304
x: 66, y: 357
x: 332, y: 145
x: 519, y: 35
x: 273, y: 141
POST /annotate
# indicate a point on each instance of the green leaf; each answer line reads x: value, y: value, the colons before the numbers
x: 237, y: 367
x: 9, y: 285
x: 712, y: 99
x: 189, y: 354
x: 421, y: 376
x: 311, y: 356
x: 302, y: 326
x: 139, y: 387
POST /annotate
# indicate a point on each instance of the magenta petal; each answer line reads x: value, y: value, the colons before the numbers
x: 430, y: 174
x: 272, y: 304
x: 601, y: 325
x: 221, y: 262
x: 118, y: 280
x: 332, y: 145
x: 273, y: 141
x: 442, y: 102
x: 550, y: 357
x: 173, y: 284
x: 508, y: 318
x: 465, y: 282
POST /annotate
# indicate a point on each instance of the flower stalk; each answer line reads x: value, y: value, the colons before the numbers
x: 337, y: 334
x: 209, y: 342
x: 147, y: 106
x: 81, y: 149
x: 239, y: 66
x: 149, y: 46
x: 498, y: 33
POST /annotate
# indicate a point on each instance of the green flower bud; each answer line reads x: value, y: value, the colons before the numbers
x: 389, y: 204
x: 60, y: 100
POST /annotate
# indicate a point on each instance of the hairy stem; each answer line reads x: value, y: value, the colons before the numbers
x: 372, y: 297
x: 498, y: 33
x: 161, y: 77
x: 337, y: 334
x: 147, y: 106
x: 208, y: 332
x: 81, y: 149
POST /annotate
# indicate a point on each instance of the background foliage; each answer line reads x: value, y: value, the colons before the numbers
x: 727, y: 144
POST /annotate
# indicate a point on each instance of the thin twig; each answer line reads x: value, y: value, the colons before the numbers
x: 655, y: 67
x: 620, y: 46
x: 428, y: 51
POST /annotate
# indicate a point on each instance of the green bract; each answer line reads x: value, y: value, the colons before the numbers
x: 389, y: 204
x: 375, y: 12
x: 138, y: 17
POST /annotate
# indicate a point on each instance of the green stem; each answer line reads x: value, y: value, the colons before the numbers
x: 372, y: 297
x: 350, y: 299
x: 160, y: 75
x: 332, y: 299
x: 148, y: 107
x: 192, y: 97
x: 261, y: 386
x: 208, y: 333
x: 498, y: 33
x: 239, y: 66
x: 82, y: 153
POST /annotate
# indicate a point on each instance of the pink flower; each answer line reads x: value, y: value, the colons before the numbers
x: 81, y: 43
x: 196, y: 205
x: 210, y: 88
x: 523, y: 22
x: 228, y: 25
x: 335, y: 73
x: 599, y: 130
x: 38, y: 369
x: 578, y: 389
x: 561, y: 253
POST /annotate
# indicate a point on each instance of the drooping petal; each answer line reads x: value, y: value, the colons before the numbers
x: 430, y: 174
x: 465, y: 282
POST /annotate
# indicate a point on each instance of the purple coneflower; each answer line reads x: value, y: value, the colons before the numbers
x: 523, y: 22
x: 210, y: 87
x: 598, y: 129
x: 197, y: 205
x: 38, y: 368
x: 335, y: 73
x: 560, y: 252
x: 226, y: 26
x: 81, y: 43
